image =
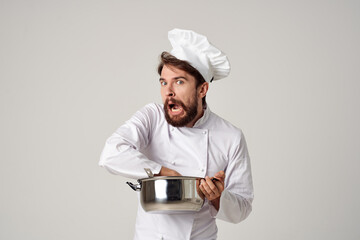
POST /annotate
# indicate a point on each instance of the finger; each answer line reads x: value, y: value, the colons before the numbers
x: 205, y: 193
x: 206, y: 189
x: 210, y: 186
x: 219, y: 185
x: 205, y: 186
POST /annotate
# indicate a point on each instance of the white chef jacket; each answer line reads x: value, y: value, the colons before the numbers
x: 211, y: 145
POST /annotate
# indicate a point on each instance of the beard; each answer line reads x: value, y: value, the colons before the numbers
x: 181, y: 121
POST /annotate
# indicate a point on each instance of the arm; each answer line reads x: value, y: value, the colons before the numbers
x: 236, y: 199
x: 231, y: 197
x: 122, y: 151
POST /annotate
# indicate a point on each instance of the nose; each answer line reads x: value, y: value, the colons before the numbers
x: 170, y: 92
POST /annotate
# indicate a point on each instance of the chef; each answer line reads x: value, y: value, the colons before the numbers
x: 183, y: 136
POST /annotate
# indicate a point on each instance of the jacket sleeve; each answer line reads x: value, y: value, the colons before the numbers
x: 236, y: 199
x: 122, y: 151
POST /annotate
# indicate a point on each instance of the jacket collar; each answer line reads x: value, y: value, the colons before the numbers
x: 199, y: 123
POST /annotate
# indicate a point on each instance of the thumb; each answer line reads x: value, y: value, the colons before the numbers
x: 220, y: 175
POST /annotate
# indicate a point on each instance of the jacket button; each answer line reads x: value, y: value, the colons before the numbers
x: 173, y: 162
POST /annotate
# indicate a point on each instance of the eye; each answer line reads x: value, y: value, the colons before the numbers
x: 179, y: 82
x: 163, y: 83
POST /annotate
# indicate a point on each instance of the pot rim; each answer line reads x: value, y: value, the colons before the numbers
x: 169, y: 178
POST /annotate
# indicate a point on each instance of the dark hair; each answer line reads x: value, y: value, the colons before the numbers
x: 168, y: 59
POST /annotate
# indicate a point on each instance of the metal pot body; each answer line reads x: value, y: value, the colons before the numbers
x: 169, y: 194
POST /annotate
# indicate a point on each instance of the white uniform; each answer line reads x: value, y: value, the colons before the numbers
x: 211, y: 145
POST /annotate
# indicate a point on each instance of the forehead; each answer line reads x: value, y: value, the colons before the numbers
x: 170, y: 72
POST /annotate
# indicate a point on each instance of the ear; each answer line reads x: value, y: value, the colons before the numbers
x: 203, y: 89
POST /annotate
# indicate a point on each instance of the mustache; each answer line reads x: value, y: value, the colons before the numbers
x: 174, y: 101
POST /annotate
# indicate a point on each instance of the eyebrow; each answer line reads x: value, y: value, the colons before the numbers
x: 175, y: 78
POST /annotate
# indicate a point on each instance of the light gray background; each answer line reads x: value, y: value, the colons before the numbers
x: 73, y: 71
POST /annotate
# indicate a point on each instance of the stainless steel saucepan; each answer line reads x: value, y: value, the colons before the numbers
x: 169, y: 194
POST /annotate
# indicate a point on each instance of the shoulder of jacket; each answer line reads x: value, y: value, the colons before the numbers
x: 147, y: 116
x: 152, y: 108
x: 226, y: 129
x: 224, y: 125
x: 151, y: 113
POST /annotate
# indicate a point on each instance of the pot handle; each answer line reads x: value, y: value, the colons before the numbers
x: 135, y: 187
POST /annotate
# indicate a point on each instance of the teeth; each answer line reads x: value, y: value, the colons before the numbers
x: 175, y: 108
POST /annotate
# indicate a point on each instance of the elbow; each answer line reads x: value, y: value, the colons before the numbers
x: 109, y: 153
x: 106, y: 160
x: 109, y: 166
x: 103, y: 159
x: 101, y: 163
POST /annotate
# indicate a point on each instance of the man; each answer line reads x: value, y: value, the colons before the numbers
x: 183, y: 137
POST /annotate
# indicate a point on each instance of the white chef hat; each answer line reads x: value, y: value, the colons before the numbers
x: 196, y: 50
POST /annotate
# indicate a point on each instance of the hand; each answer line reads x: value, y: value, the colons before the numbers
x: 164, y: 171
x: 212, y: 189
x: 220, y: 176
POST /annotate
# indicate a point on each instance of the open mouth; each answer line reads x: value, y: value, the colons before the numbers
x: 175, y: 108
